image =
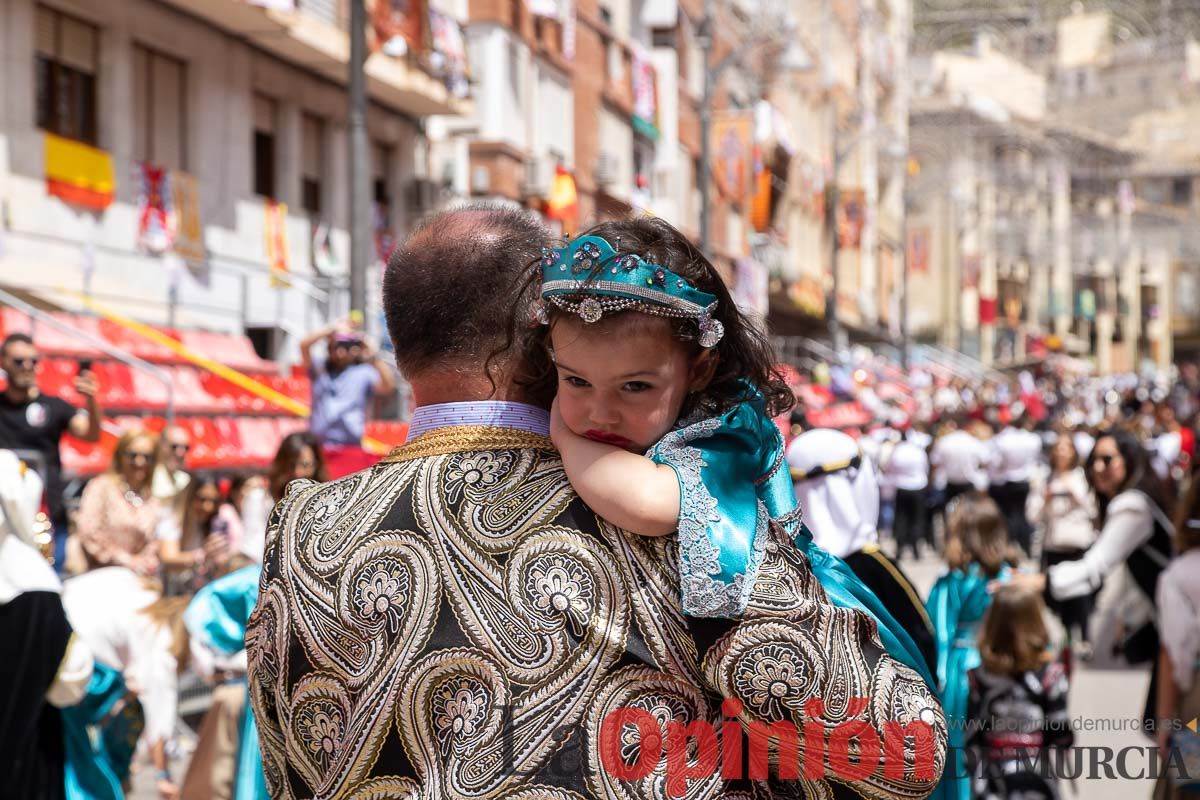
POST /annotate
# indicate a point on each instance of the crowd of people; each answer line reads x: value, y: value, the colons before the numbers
x: 483, y: 561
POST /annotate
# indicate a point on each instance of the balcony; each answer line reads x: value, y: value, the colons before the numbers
x: 314, y: 33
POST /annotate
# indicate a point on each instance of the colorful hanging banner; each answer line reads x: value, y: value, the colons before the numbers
x: 156, y: 211
x: 851, y: 217
x: 189, y: 232
x: 918, y: 251
x: 645, y: 95
x: 399, y: 26
x: 760, y: 203
x: 384, y: 240
x: 78, y: 173
x: 563, y: 204
x: 732, y: 147
x: 275, y: 241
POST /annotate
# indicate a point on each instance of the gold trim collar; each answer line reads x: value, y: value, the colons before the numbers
x: 467, y: 439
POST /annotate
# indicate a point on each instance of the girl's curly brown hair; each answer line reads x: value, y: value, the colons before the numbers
x: 743, y: 354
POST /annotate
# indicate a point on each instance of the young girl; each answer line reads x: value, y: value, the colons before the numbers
x: 1018, y: 700
x: 977, y: 553
x: 663, y: 415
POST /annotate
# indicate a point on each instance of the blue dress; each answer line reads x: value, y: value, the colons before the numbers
x: 217, y: 615
x: 733, y: 482
x: 956, y: 605
x: 100, y: 735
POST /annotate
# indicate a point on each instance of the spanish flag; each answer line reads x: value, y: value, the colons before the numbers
x: 78, y: 173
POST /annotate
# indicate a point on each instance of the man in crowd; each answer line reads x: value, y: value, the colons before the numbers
x: 171, y: 475
x: 343, y: 385
x: 33, y: 422
x: 1016, y: 456
x: 456, y: 622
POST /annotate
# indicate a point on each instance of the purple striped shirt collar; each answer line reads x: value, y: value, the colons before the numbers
x: 491, y: 413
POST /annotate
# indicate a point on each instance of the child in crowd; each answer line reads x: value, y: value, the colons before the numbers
x: 1017, y: 706
x: 977, y: 552
x: 663, y: 415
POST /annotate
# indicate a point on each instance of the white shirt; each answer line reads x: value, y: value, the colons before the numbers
x: 908, y: 467
x: 960, y: 458
x: 1128, y: 524
x: 1017, y: 455
x: 1179, y: 615
x: 1069, y: 514
x: 104, y: 607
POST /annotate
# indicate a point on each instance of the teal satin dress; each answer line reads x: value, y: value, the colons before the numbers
x: 218, y: 615
x: 956, y: 606
x: 100, y: 735
x: 733, y: 481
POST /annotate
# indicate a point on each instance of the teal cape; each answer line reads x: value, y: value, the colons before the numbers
x: 956, y: 605
x: 100, y: 735
x: 217, y: 616
x: 733, y: 482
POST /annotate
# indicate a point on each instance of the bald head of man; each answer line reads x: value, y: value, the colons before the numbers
x: 452, y: 294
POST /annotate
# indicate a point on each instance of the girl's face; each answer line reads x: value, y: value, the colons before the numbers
x: 1108, y: 467
x: 306, y: 464
x: 625, y: 383
x: 1063, y: 453
x: 206, y: 501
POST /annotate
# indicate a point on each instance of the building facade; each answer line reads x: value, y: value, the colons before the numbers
x: 184, y: 162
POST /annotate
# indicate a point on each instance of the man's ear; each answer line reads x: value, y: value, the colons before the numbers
x: 704, y: 366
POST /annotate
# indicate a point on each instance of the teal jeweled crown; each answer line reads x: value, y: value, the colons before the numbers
x: 589, y: 277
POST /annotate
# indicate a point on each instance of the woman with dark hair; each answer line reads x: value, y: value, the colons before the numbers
x: 298, y: 457
x: 1134, y: 546
x: 195, y: 540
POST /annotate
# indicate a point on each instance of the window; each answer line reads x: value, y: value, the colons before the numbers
x: 666, y: 38
x: 67, y: 54
x: 1181, y: 191
x: 381, y: 164
x: 159, y: 109
x: 265, y: 114
x: 312, y: 163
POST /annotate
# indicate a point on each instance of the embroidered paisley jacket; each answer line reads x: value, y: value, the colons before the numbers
x: 455, y: 622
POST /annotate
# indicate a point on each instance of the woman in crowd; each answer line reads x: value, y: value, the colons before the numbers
x: 1178, y: 598
x: 1133, y: 546
x: 118, y: 515
x: 1066, y: 516
x: 195, y: 539
x: 1017, y: 705
x: 977, y: 552
x: 838, y: 492
x: 45, y: 668
x: 126, y: 623
x: 298, y: 457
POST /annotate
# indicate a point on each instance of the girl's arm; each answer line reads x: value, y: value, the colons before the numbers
x: 628, y: 490
x: 172, y: 557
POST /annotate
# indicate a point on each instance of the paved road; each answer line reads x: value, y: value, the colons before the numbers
x: 1111, y: 698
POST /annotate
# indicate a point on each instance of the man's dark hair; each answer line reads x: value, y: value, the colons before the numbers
x: 14, y: 338
x: 449, y: 291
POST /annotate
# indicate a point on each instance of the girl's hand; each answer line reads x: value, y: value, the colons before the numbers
x: 216, y: 549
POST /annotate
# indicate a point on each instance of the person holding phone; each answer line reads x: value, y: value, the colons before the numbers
x: 195, y: 538
x: 33, y: 421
